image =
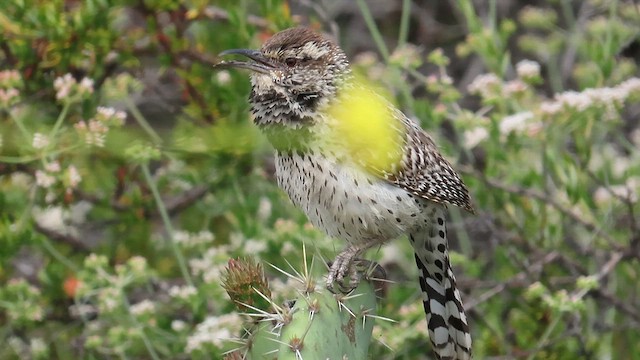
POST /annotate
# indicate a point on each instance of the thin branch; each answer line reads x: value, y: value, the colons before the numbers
x: 622, y: 306
x: 596, y: 230
x: 513, y: 281
x: 68, y: 239
x: 217, y: 14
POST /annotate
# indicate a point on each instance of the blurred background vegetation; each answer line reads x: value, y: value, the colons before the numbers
x: 130, y: 172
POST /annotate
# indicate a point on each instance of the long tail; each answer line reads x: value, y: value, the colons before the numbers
x: 446, y: 319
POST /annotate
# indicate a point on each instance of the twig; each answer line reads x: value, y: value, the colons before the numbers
x: 68, y: 239
x: 596, y: 230
x: 519, y: 278
x: 619, y: 304
x: 173, y: 204
x: 215, y: 13
x: 178, y: 203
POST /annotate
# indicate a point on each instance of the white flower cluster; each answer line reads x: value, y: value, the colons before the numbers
x: 189, y: 240
x: 28, y: 308
x: 606, y: 97
x: 406, y: 56
x: 137, y: 266
x: 68, y: 89
x: 110, y: 299
x: 47, y: 177
x: 73, y: 177
x: 183, y: 292
x: 52, y: 170
x: 485, y: 85
x: 10, y: 78
x: 522, y: 122
x: 10, y: 82
x: 254, y: 247
x: 474, y: 137
x: 39, y: 349
x: 111, y: 116
x: 519, y: 122
x: 527, y: 69
x: 178, y: 325
x: 214, y: 330
x: 95, y: 129
x: 8, y: 97
x: 144, y: 307
x: 94, y: 132
x: 264, y: 209
x: 211, y: 264
x: 40, y: 141
x: 223, y: 77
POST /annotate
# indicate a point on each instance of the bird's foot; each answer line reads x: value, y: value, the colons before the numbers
x: 347, y: 270
x: 346, y: 274
x: 343, y: 274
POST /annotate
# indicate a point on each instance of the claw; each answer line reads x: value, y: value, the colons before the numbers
x: 356, y: 269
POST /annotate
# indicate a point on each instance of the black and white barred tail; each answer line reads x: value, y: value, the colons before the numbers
x: 446, y: 319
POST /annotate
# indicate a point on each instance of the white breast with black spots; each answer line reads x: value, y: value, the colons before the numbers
x: 346, y: 202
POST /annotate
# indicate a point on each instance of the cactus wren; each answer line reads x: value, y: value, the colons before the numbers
x: 295, y: 77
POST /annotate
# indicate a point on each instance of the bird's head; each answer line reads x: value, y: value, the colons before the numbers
x: 295, y: 72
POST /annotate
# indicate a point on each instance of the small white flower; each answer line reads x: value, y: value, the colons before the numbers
x: 86, y: 85
x: 94, y: 132
x: 38, y: 347
x: 515, y: 122
x: 53, y: 166
x: 527, y: 69
x: 178, y: 325
x: 40, y: 141
x: 9, y: 76
x: 550, y: 107
x: 214, y: 330
x: 264, y: 209
x: 109, y: 299
x: 514, y: 87
x: 44, y: 180
x: 110, y: 116
x: 485, y: 85
x: 574, y: 100
x: 138, y: 265
x: 187, y: 239
x: 144, y: 307
x: 287, y: 248
x: 213, y: 274
x: 254, y: 246
x: 474, y: 137
x: 8, y: 96
x: 211, y: 264
x: 63, y: 86
x: 183, y: 292
x: 181, y: 237
x: 630, y: 86
x: 73, y: 176
x: 223, y: 77
x: 446, y: 79
x: 17, y: 345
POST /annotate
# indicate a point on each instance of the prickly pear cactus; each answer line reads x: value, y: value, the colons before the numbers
x: 315, y: 325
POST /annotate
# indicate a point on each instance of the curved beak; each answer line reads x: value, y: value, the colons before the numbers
x: 259, y: 64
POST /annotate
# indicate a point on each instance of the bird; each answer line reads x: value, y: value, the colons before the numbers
x: 299, y: 77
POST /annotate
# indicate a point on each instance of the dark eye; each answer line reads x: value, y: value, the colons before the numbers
x: 290, y: 62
